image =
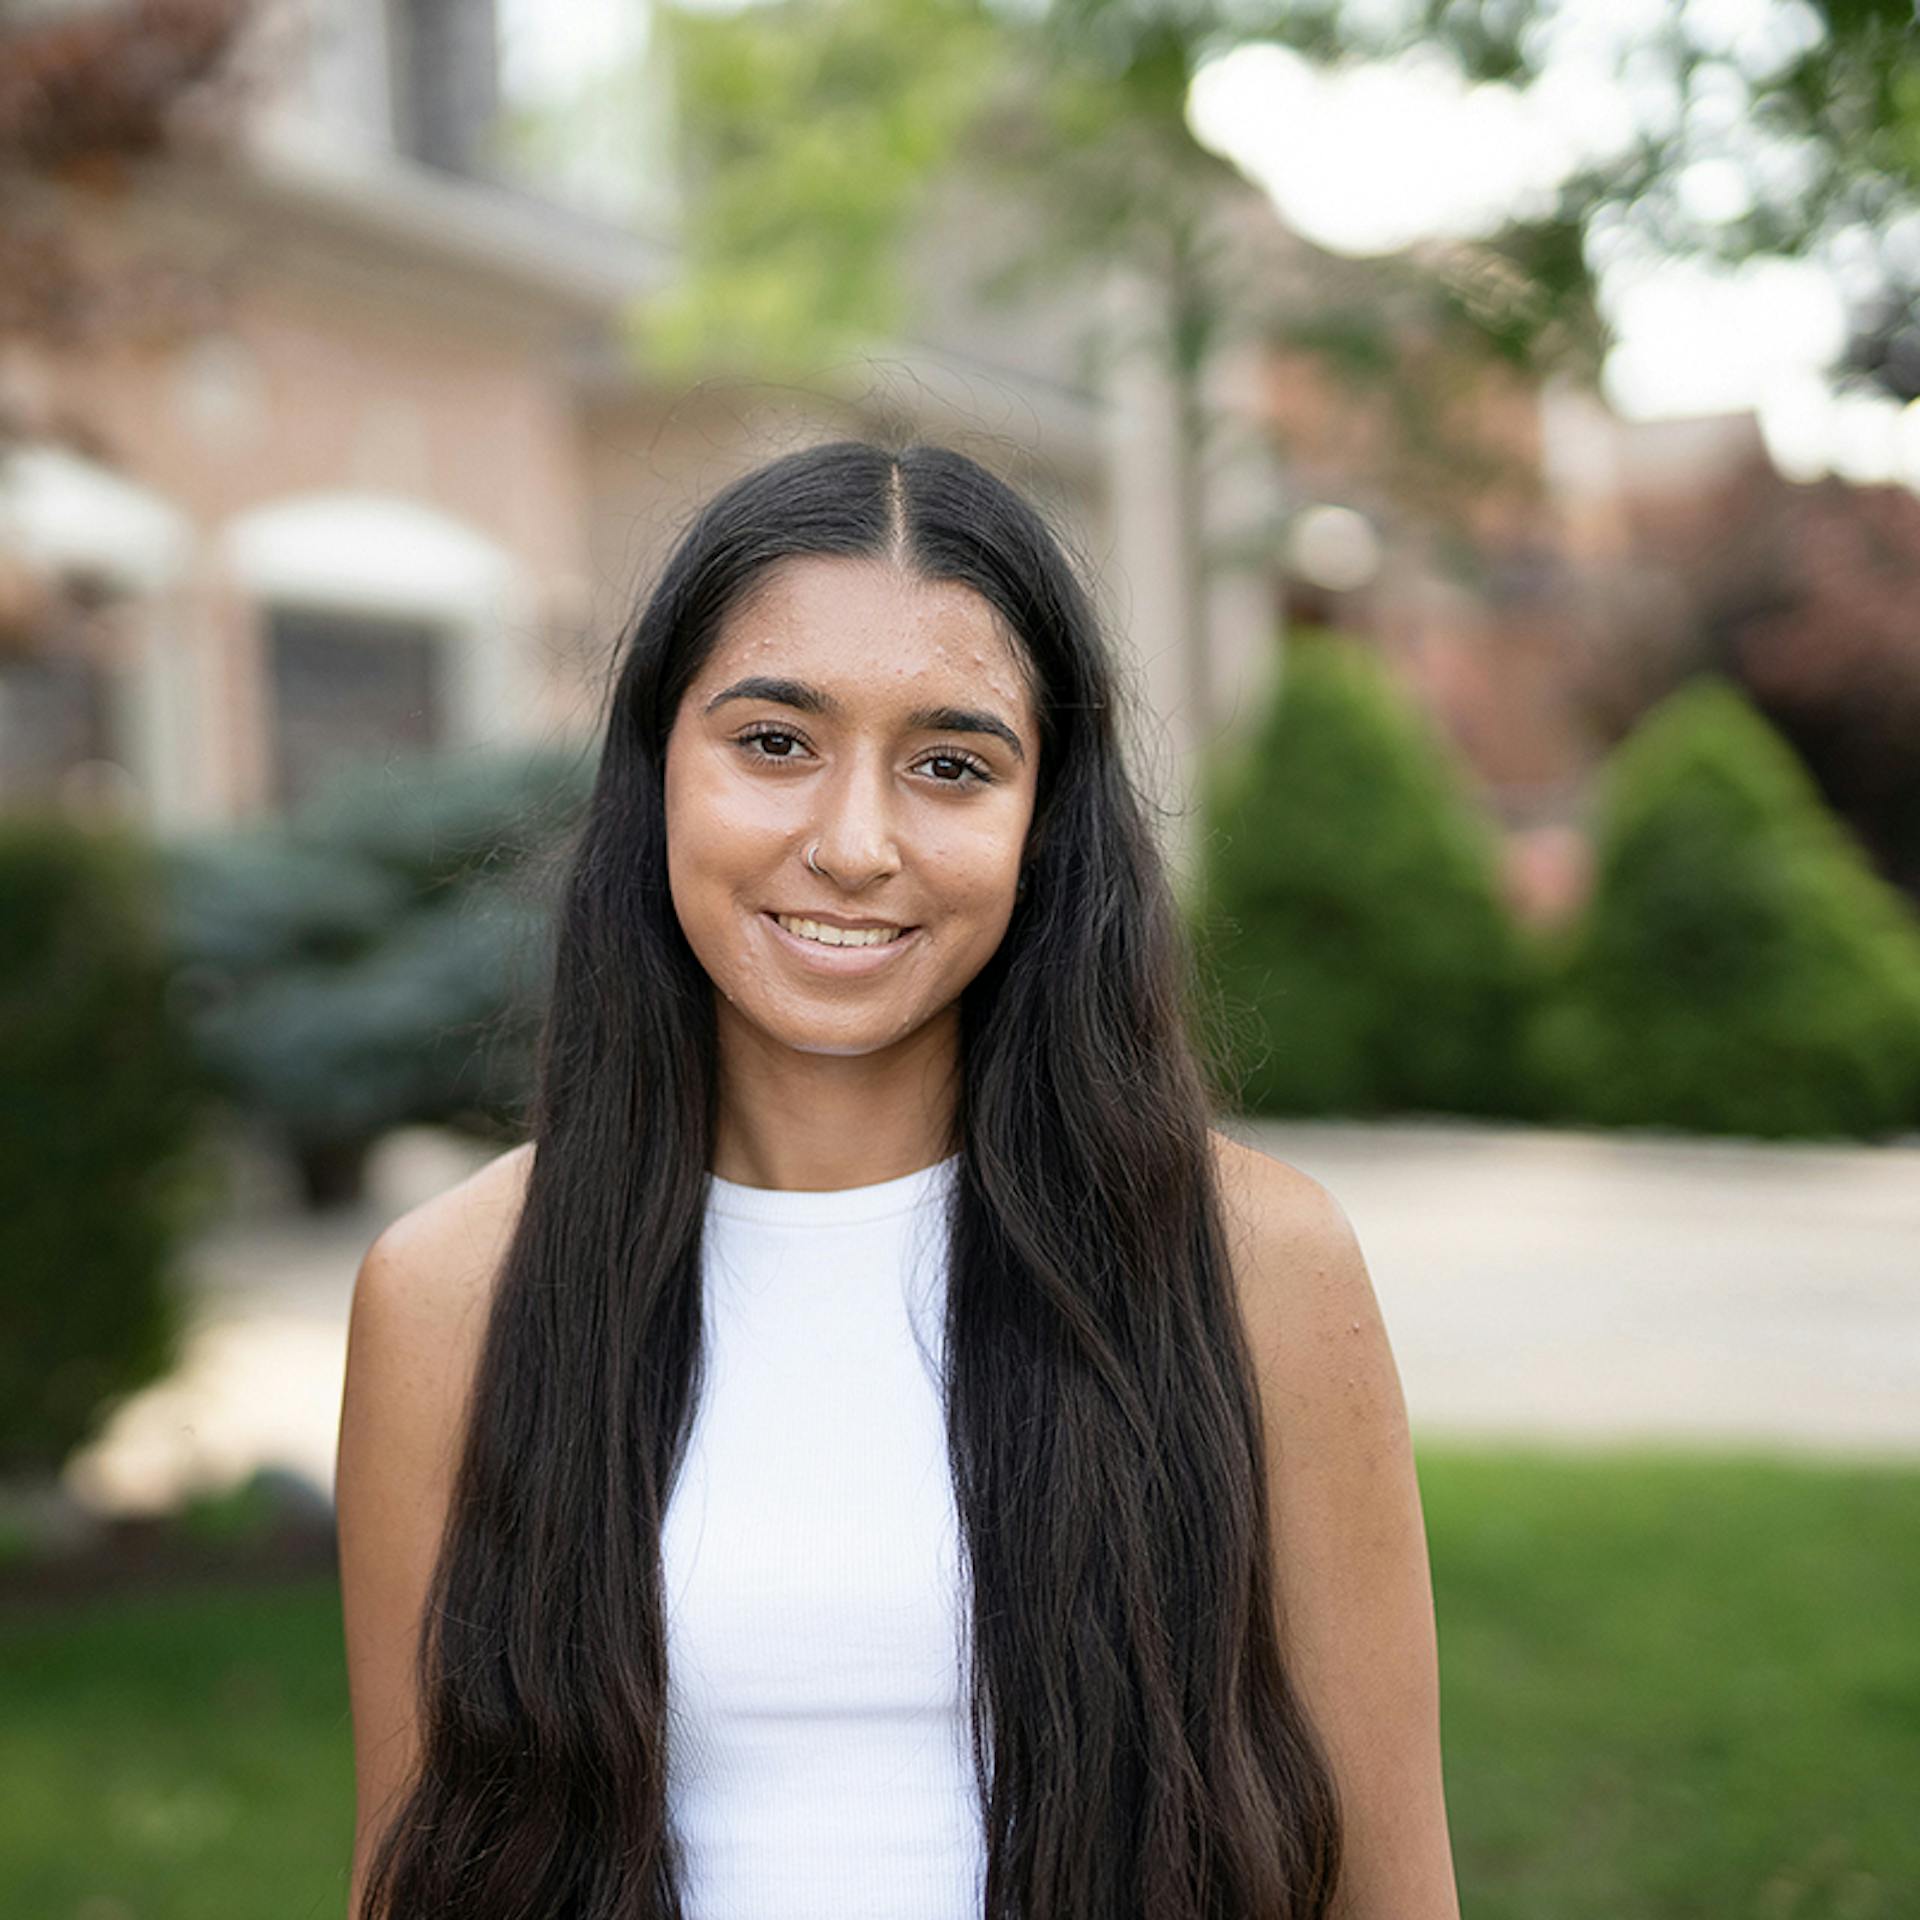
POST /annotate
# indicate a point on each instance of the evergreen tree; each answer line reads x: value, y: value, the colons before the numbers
x: 1357, y: 955
x: 1740, y: 967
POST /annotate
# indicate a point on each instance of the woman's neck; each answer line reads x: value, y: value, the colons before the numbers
x: 814, y: 1122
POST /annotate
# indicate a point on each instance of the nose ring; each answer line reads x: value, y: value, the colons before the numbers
x: 811, y: 861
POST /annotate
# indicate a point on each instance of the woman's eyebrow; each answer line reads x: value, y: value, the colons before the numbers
x: 811, y: 699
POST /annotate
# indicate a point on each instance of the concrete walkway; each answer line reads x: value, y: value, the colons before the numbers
x: 1590, y: 1287
x: 1567, y: 1287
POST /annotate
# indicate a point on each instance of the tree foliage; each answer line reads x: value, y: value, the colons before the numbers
x: 1819, y: 624
x: 810, y: 135
x: 374, y: 960
x: 1359, y: 957
x: 84, y: 93
x: 101, y: 1103
x: 1740, y: 967
x: 1813, y: 106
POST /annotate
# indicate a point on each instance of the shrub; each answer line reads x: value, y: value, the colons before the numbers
x: 100, y: 1111
x: 1357, y: 956
x: 375, y: 960
x: 1740, y: 968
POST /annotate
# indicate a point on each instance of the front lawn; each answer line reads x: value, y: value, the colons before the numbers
x: 1676, y: 1687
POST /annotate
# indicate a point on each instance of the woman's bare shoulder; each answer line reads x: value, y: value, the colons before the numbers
x: 421, y: 1304
x: 443, y: 1254
x: 1267, y: 1201
x: 424, y: 1293
x: 1298, y: 1270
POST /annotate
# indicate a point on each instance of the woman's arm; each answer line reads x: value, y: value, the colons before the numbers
x: 1349, y: 1538
x: 420, y: 1306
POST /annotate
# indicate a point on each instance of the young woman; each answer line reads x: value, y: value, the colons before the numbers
x: 876, y: 1449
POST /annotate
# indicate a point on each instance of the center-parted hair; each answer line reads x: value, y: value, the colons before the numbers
x: 1139, y: 1751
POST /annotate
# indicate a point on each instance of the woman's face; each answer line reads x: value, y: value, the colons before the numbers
x: 885, y: 722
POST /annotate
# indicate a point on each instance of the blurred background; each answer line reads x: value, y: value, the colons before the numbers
x: 1492, y: 430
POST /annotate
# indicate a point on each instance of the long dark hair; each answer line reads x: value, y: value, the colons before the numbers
x: 1138, y: 1748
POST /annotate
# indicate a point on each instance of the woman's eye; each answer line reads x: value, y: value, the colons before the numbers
x: 970, y: 767
x: 748, y: 741
x: 971, y: 772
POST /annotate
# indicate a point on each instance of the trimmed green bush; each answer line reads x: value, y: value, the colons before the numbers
x: 100, y: 1112
x: 1356, y: 955
x: 1740, y: 967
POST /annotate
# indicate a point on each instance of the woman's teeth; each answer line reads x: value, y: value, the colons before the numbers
x: 839, y: 936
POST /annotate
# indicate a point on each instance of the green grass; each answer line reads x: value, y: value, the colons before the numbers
x: 1674, y: 1688
x: 1678, y: 1687
x: 183, y: 1755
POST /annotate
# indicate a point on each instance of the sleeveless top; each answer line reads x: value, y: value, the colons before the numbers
x: 817, y: 1634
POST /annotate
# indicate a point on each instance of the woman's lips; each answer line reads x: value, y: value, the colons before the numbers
x: 840, y: 961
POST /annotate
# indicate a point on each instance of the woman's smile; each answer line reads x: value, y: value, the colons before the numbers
x: 842, y: 961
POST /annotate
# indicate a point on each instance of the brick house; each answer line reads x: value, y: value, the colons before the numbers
x: 403, y: 487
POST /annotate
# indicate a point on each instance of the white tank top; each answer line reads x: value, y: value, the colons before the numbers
x: 818, y: 1766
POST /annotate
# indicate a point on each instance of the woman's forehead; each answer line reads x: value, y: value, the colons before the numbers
x: 871, y: 637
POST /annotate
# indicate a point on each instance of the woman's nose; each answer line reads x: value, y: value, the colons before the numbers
x: 854, y: 835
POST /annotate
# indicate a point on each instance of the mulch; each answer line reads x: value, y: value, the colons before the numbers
x: 138, y: 1558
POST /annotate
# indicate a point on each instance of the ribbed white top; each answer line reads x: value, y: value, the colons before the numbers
x: 818, y: 1763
